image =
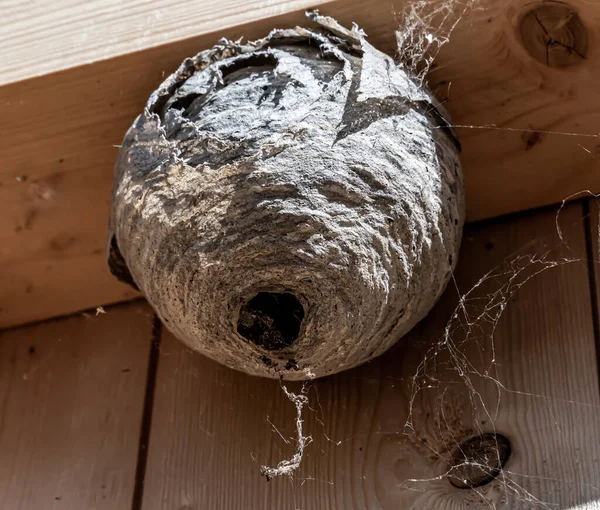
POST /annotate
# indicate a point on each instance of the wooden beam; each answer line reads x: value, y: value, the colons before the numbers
x: 40, y: 38
x: 68, y: 95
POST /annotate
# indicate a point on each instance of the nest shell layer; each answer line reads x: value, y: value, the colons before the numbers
x: 289, y: 207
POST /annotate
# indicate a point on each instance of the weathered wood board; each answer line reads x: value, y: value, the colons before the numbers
x: 69, y: 95
x: 213, y: 428
x: 71, y: 399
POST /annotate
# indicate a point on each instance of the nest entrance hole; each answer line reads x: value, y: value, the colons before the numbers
x: 271, y: 320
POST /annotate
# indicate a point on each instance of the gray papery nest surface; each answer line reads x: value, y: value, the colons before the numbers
x: 292, y: 206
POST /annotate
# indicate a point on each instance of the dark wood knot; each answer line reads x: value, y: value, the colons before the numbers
x: 478, y: 460
x: 554, y: 34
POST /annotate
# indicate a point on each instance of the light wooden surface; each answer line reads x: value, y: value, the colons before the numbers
x: 71, y: 399
x: 59, y: 128
x: 39, y: 37
x: 213, y: 428
x: 542, y: 144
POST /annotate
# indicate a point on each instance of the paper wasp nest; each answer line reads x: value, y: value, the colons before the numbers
x: 289, y: 207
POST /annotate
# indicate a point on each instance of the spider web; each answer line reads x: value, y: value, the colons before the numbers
x: 426, y: 26
x: 467, y: 346
x: 467, y: 349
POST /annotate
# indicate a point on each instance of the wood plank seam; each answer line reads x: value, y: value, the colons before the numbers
x: 591, y: 263
x: 146, y: 425
x: 86, y: 312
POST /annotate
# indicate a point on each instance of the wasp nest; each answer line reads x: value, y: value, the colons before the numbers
x: 291, y: 206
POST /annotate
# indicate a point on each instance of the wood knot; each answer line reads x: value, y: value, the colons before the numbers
x: 554, y: 34
x: 478, y: 460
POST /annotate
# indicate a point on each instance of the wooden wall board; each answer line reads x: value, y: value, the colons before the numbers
x: 544, y: 338
x: 212, y: 428
x: 71, y: 398
x: 60, y: 128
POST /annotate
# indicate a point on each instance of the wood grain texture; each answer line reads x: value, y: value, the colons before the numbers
x: 71, y: 397
x: 542, y: 144
x: 542, y: 391
x: 59, y: 129
x: 39, y: 37
x: 213, y: 428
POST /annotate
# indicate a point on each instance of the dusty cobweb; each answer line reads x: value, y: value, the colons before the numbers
x: 425, y: 26
x: 465, y: 356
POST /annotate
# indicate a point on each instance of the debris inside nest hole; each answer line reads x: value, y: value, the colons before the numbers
x: 271, y: 320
